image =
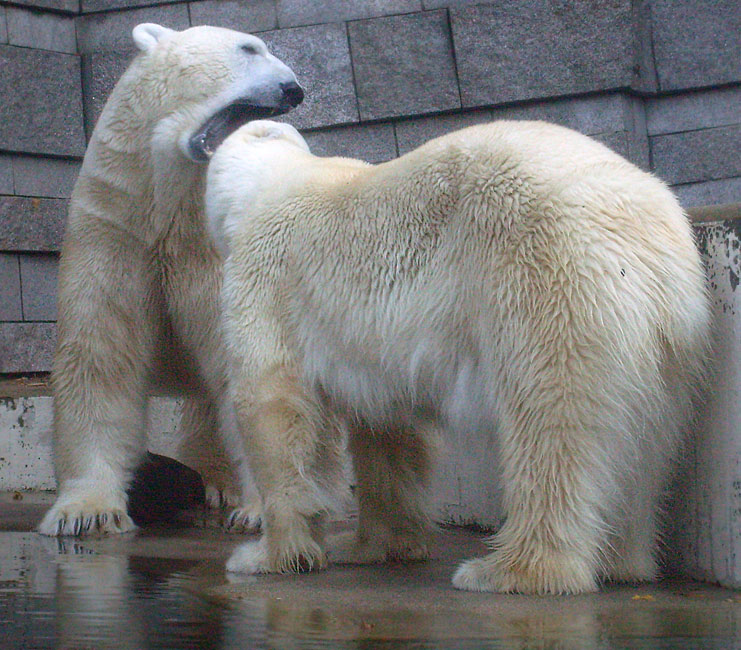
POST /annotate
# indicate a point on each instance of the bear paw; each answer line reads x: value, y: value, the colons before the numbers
x: 217, y: 497
x: 246, y: 519
x: 557, y: 576
x: 348, y: 548
x: 254, y: 557
x: 86, y: 516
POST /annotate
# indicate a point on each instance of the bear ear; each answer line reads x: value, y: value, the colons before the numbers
x: 147, y: 35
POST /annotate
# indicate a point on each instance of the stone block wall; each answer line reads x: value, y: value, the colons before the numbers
x: 657, y: 80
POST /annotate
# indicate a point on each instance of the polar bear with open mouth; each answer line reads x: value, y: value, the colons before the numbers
x: 139, y: 279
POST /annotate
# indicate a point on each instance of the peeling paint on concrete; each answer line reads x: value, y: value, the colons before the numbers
x: 25, y: 439
x: 705, y: 518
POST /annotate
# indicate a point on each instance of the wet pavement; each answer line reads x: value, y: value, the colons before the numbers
x: 165, y: 587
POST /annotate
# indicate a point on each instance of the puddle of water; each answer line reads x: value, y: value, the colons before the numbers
x: 63, y: 594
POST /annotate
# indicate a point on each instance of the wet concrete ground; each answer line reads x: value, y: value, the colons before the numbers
x: 165, y: 587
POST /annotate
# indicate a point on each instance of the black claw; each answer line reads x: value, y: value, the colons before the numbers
x: 117, y: 520
x: 88, y: 523
x: 97, y: 522
x: 60, y: 526
x: 76, y: 527
x: 104, y: 519
x: 232, y: 517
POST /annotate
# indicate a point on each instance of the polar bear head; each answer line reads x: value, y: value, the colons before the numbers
x: 196, y: 86
x: 249, y: 162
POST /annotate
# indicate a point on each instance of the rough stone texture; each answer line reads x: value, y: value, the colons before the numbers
x: 308, y: 12
x: 100, y: 72
x: 693, y: 156
x: 726, y: 190
x: 27, y: 347
x: 31, y: 224
x: 3, y: 26
x: 440, y: 4
x: 410, y: 134
x: 44, y: 116
x: 106, y: 32
x: 47, y: 177
x: 39, y: 283
x: 89, y: 6
x: 696, y: 44
x: 373, y: 143
x: 10, y: 288
x: 6, y: 174
x: 628, y: 146
x: 242, y: 15
x: 695, y: 110
x: 403, y: 65
x: 43, y: 31
x: 66, y: 6
x: 321, y: 59
x: 509, y: 51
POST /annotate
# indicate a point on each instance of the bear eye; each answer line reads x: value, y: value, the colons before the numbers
x: 250, y: 49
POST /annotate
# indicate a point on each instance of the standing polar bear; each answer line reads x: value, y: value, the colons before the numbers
x: 139, y: 278
x: 515, y: 280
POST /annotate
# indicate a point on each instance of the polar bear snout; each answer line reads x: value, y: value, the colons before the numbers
x: 293, y: 94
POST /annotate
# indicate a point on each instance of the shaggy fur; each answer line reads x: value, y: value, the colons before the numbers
x: 518, y: 280
x: 139, y: 279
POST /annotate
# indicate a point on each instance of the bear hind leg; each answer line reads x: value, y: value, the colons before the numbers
x: 392, y: 468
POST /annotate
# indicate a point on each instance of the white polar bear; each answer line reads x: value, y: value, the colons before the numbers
x: 515, y: 280
x: 139, y: 279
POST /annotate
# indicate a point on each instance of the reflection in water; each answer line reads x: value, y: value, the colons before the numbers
x: 58, y: 593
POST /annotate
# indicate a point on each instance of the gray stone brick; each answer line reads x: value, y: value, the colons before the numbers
x: 107, y: 32
x: 403, y: 65
x: 242, y: 15
x: 43, y: 31
x: 27, y: 347
x: 628, y: 145
x: 590, y: 115
x: 308, y: 12
x: 47, y: 177
x: 726, y: 190
x: 90, y: 6
x: 45, y: 116
x: 373, y: 143
x: 6, y: 174
x: 39, y: 283
x: 320, y: 57
x: 694, y: 110
x: 509, y: 51
x: 693, y: 156
x: 696, y: 44
x: 10, y: 288
x: 100, y: 72
x: 31, y: 224
x: 441, y: 4
x: 65, y: 6
x: 3, y: 26
x: 411, y: 134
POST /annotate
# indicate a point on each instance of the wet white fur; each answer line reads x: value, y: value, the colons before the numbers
x: 140, y: 280
x: 517, y: 281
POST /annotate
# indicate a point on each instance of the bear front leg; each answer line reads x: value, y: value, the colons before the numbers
x: 294, y: 447
x: 392, y: 469
x: 106, y: 334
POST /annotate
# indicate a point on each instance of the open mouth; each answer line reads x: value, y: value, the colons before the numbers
x: 224, y: 122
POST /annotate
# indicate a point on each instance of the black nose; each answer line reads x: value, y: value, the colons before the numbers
x: 292, y: 93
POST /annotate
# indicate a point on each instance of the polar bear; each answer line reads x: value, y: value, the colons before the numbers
x: 139, y: 280
x: 516, y: 280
